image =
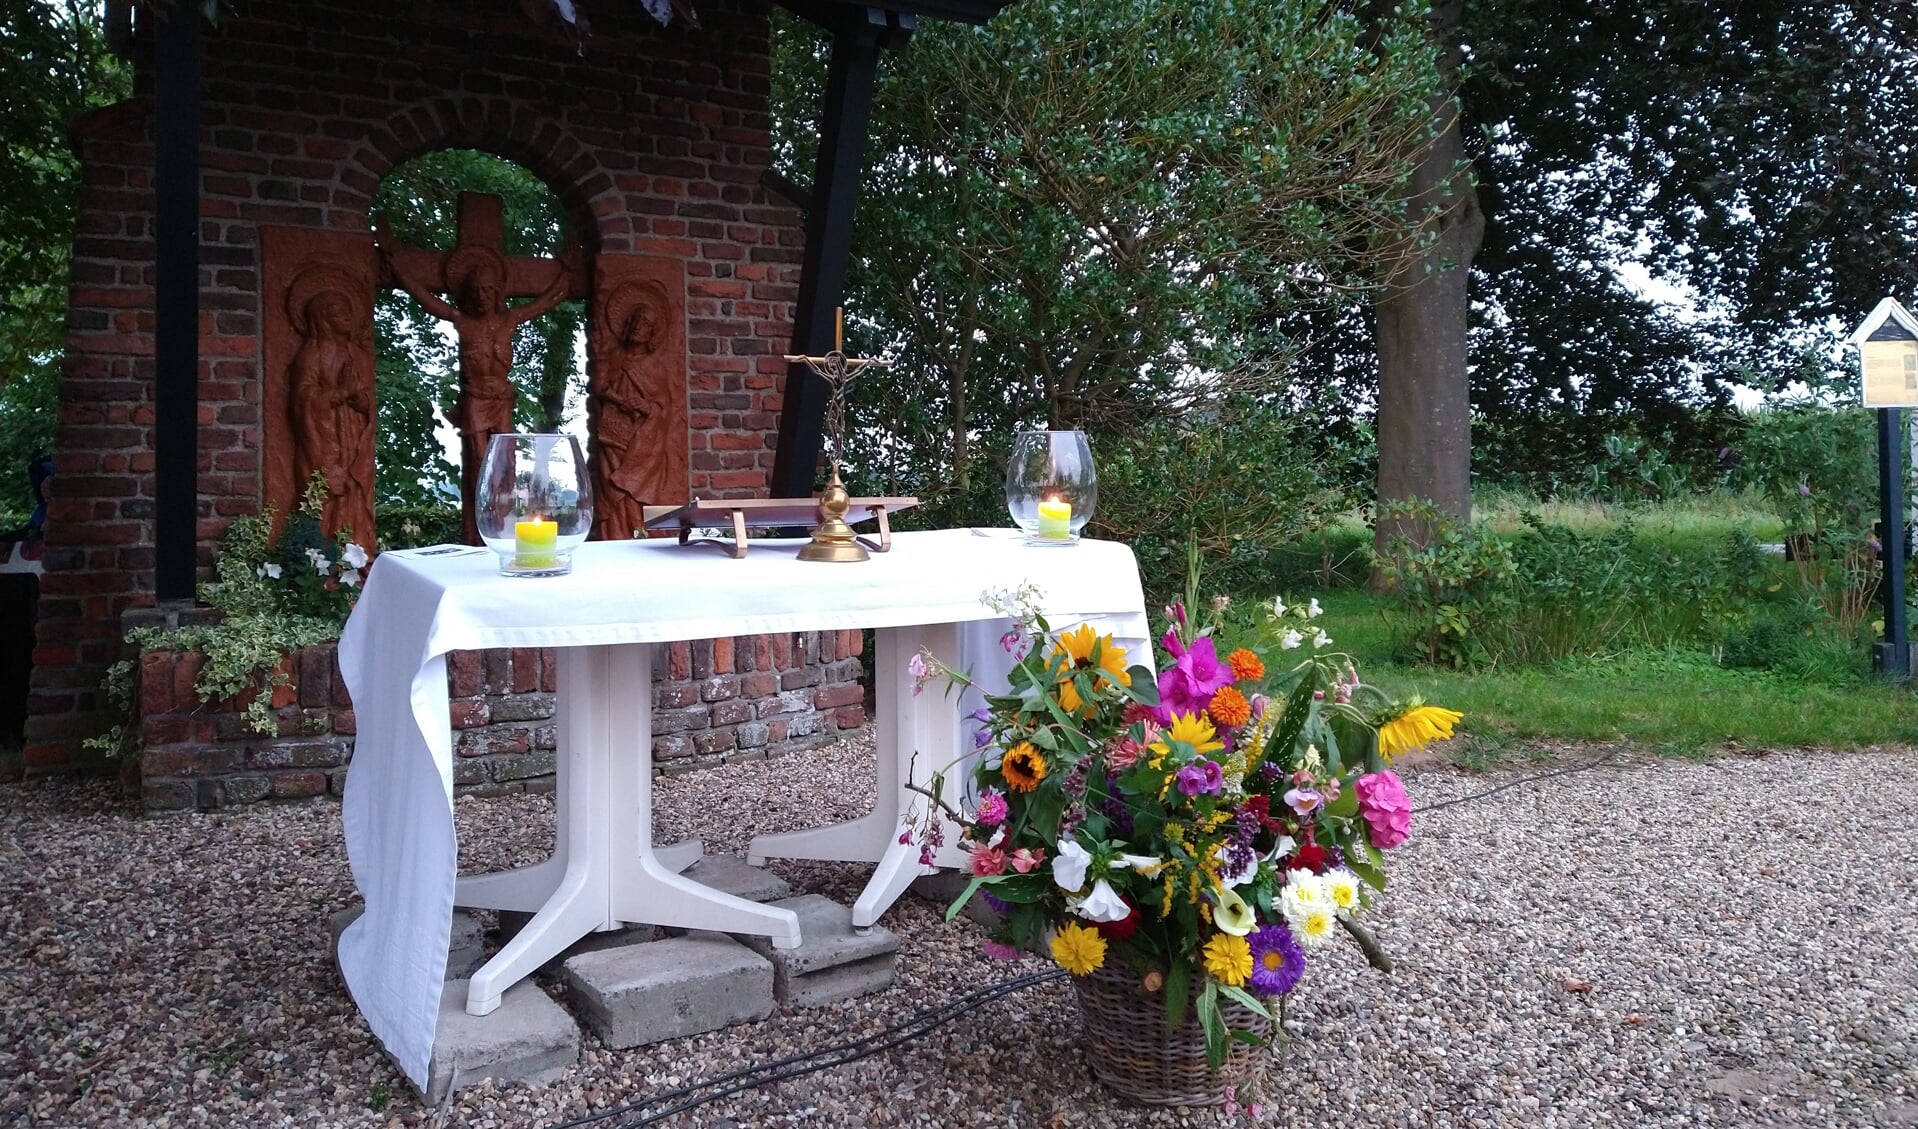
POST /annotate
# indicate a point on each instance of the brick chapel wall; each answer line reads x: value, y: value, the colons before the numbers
x: 655, y: 138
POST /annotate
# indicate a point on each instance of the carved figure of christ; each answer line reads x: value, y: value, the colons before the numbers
x: 479, y: 277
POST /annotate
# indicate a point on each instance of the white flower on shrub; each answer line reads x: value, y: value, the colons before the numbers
x: 1321, y: 640
x: 1312, y: 610
x: 320, y: 564
x: 353, y: 555
x: 350, y: 578
x: 269, y: 571
x: 1290, y: 640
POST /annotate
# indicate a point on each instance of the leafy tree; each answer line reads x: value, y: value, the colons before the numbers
x: 418, y: 366
x: 1086, y: 216
x: 54, y: 66
x: 1756, y: 155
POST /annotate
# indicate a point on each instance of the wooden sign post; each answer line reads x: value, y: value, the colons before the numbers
x: 1888, y: 363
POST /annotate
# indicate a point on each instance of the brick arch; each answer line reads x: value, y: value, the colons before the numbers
x: 497, y: 126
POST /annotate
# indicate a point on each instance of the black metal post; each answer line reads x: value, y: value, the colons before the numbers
x: 835, y: 197
x: 176, y: 298
x: 1893, y: 656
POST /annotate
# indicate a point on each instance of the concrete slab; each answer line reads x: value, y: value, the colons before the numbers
x: 529, y: 1039
x: 730, y: 874
x: 834, y: 961
x: 670, y: 988
x: 465, y: 952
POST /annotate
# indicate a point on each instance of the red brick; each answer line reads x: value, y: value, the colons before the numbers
x: 679, y: 661
x: 156, y: 683
x: 525, y: 670
x: 470, y: 713
x: 852, y: 717
x: 298, y: 785
x: 851, y: 644
x: 466, y: 673
x: 722, y: 656
x: 839, y: 694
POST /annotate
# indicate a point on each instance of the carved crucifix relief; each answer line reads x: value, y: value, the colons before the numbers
x: 480, y: 277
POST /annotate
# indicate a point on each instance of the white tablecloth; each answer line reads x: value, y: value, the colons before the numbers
x: 397, y: 809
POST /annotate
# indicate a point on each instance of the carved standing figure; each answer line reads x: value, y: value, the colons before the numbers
x: 330, y: 403
x: 476, y: 277
x: 629, y: 410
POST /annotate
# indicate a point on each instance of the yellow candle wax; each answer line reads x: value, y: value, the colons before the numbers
x: 535, y: 543
x: 1055, y: 519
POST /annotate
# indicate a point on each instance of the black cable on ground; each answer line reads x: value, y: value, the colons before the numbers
x: 725, y: 1085
x: 1509, y: 784
x: 687, y: 1098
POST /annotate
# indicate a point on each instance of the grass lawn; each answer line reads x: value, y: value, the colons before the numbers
x: 1674, y: 701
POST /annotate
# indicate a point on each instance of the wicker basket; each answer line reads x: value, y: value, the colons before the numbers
x: 1134, y: 1053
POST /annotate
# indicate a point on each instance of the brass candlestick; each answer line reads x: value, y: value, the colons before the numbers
x: 832, y: 538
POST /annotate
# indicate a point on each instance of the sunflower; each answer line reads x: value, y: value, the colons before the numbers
x: 1416, y: 726
x: 1228, y: 959
x: 1080, y: 950
x: 1229, y: 707
x: 1193, y: 729
x: 1023, y: 767
x: 1079, y: 646
x: 1245, y: 665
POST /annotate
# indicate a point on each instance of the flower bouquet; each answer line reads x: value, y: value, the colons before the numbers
x: 1182, y: 843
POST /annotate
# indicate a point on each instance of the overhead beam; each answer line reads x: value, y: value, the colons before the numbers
x: 857, y: 41
x: 176, y: 298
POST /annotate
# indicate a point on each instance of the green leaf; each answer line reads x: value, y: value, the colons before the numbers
x: 1246, y: 1000
x: 1178, y: 986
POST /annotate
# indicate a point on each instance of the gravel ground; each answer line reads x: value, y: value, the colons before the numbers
x: 1646, y: 943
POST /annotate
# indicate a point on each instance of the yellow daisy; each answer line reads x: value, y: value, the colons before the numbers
x: 1080, y: 950
x: 1228, y: 959
x: 1416, y: 727
x: 1194, y: 729
x: 1079, y: 645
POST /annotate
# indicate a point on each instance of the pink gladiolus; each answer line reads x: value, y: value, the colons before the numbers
x: 1025, y: 860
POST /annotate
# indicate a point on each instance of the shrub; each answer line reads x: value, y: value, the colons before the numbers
x: 1473, y: 597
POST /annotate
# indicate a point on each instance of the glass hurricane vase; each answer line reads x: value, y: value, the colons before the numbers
x: 1051, y: 486
x: 535, y: 503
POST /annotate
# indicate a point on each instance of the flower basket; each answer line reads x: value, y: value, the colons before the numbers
x: 1136, y: 1054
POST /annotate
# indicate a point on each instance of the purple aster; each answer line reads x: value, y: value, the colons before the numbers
x: 1277, y: 962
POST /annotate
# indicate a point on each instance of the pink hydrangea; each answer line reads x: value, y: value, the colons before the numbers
x: 1383, y: 803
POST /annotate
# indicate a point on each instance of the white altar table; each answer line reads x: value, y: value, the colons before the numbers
x: 621, y: 598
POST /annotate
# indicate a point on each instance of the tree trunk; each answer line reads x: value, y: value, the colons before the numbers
x: 561, y: 331
x: 1424, y: 417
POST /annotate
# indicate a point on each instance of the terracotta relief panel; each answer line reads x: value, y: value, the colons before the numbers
x: 636, y: 389
x: 318, y: 402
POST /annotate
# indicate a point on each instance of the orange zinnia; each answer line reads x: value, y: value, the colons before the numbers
x: 1023, y: 767
x: 1245, y: 665
x: 1229, y: 707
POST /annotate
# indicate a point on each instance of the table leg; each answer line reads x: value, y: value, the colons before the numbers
x: 867, y: 838
x: 924, y: 741
x: 580, y: 902
x: 611, y: 872
x: 645, y: 883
